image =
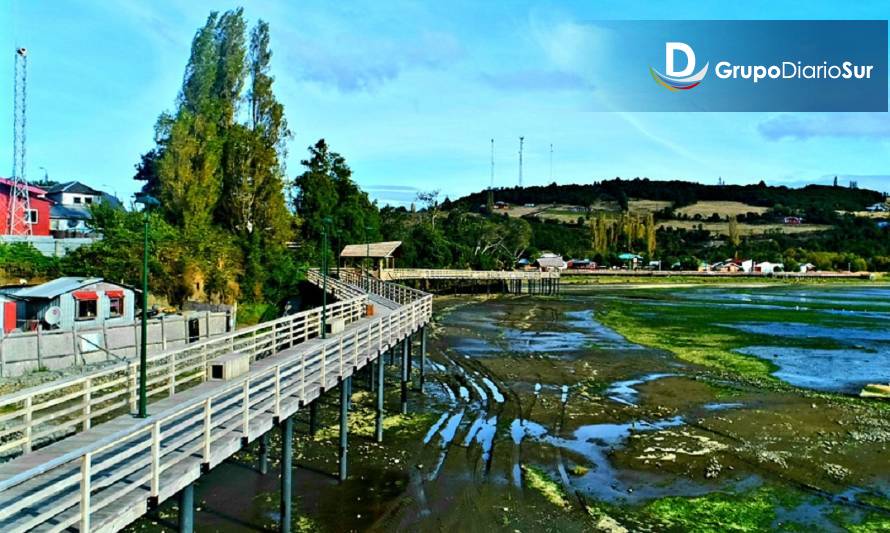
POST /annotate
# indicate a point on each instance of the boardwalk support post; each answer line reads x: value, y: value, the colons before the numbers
x: 422, y: 355
x: 379, y: 418
x: 344, y: 426
x: 187, y: 509
x: 264, y: 454
x: 404, y: 379
x: 287, y: 441
x: 313, y: 417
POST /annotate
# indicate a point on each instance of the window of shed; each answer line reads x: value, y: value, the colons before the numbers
x: 115, y: 306
x: 86, y: 309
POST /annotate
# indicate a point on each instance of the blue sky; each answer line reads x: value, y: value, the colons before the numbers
x: 412, y: 92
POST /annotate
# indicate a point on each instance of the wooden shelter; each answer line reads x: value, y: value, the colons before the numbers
x: 381, y: 253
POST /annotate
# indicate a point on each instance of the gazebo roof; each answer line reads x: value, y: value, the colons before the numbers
x: 374, y: 249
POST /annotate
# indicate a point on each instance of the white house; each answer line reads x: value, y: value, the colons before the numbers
x: 766, y: 267
x: 70, y: 210
x: 550, y: 261
x: 878, y: 208
x: 69, y: 302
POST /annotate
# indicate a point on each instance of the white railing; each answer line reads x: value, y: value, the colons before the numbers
x: 151, y: 458
x: 42, y: 414
x: 444, y: 273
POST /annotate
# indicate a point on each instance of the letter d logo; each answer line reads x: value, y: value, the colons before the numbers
x: 678, y: 80
x: 669, y: 52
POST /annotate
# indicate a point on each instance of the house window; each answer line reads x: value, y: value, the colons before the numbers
x: 115, y: 307
x: 33, y: 216
x: 87, y: 309
x: 77, y: 199
x: 88, y: 199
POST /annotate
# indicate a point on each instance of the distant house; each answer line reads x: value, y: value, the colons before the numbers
x: 807, y: 267
x: 550, y: 261
x: 39, y: 215
x: 580, y: 264
x: 793, y: 221
x: 70, y: 211
x: 529, y: 205
x: 68, y: 303
x: 878, y: 208
x: 766, y: 267
x: 501, y: 205
x: 632, y: 260
x: 730, y: 265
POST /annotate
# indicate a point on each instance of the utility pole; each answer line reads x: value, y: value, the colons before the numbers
x: 521, y: 140
x: 491, y: 183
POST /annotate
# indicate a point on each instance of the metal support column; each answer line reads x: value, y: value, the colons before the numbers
x: 344, y: 426
x: 379, y: 417
x: 187, y: 509
x: 422, y: 355
x: 313, y: 416
x: 404, y: 380
x: 264, y: 454
x: 287, y: 455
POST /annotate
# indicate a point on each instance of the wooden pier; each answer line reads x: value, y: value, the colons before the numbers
x: 511, y: 281
x: 109, y: 473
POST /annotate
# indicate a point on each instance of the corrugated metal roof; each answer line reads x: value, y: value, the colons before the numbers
x: 551, y: 262
x: 53, y: 288
x: 73, y: 187
x: 374, y: 249
x: 69, y: 211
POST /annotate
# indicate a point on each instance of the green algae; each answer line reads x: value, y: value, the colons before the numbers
x: 539, y: 481
x: 752, y: 511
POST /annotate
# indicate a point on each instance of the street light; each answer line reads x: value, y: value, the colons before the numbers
x: 324, y: 276
x: 367, y: 250
x: 147, y: 202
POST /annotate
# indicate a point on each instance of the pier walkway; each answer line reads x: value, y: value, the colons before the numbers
x: 108, y: 473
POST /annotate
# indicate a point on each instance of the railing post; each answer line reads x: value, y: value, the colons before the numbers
x: 28, y: 415
x: 245, y: 414
x: 85, y: 491
x: 324, y: 366
x: 131, y: 369
x: 277, y: 413
x: 155, y: 459
x: 171, y: 370
x: 207, y: 431
x: 87, y: 397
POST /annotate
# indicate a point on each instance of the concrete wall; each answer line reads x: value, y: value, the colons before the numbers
x: 26, y: 352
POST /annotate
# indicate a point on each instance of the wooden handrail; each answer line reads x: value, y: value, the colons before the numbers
x: 36, y: 412
x: 186, y: 430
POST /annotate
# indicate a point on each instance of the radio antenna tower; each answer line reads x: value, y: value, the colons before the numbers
x: 521, y: 140
x: 19, y: 216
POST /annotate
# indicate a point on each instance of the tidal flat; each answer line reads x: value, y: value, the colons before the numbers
x: 611, y: 409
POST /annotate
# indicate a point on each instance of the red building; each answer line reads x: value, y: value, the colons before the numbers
x: 39, y: 208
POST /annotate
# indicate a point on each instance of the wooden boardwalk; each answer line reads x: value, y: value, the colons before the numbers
x: 532, y: 281
x: 105, y: 476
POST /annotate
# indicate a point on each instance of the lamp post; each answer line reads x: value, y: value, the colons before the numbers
x: 367, y: 250
x: 147, y: 202
x: 324, y: 276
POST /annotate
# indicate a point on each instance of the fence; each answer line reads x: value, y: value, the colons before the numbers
x: 55, y: 349
x: 155, y: 456
x: 38, y: 415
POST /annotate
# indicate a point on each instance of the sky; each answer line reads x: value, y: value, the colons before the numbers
x: 411, y: 94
